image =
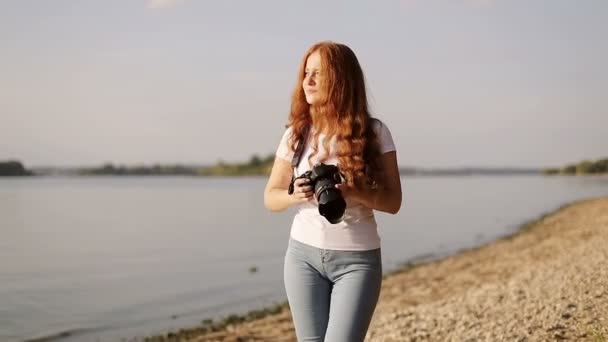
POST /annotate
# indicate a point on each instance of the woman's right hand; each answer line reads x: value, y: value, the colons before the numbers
x: 302, y: 191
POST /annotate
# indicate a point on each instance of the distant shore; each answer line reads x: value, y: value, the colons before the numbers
x: 12, y: 168
x: 257, y: 171
x: 261, y: 166
x: 549, y: 281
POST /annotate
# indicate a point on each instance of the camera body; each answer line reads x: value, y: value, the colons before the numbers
x: 323, y: 178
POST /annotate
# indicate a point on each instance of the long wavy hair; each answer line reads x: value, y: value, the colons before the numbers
x: 344, y: 115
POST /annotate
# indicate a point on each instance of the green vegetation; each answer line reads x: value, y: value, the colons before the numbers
x: 262, y: 165
x: 13, y: 168
x: 585, y: 167
x: 256, y: 166
x: 120, y: 170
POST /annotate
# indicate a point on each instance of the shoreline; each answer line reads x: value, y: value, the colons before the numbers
x: 419, y: 299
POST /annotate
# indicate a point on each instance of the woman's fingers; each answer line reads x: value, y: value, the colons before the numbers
x: 301, y: 181
x: 303, y: 191
x: 308, y: 197
x: 305, y: 194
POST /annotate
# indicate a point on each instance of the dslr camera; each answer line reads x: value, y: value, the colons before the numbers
x: 323, y: 178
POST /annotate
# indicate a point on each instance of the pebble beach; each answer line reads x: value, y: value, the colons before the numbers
x: 548, y: 282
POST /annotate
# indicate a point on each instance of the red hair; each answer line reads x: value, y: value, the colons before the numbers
x: 344, y: 114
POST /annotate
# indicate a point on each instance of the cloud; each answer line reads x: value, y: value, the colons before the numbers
x: 159, y: 4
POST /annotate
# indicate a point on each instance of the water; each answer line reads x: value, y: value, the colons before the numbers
x: 107, y: 258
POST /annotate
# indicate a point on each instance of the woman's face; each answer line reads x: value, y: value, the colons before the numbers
x: 313, y: 80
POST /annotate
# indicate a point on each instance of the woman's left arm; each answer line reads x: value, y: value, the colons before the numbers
x: 386, y: 198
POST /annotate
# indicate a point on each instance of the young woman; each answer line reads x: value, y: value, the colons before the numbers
x: 333, y: 272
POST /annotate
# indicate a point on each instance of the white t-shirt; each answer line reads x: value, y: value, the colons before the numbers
x: 359, y: 230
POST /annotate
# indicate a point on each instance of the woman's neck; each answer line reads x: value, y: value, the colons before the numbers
x: 317, y: 121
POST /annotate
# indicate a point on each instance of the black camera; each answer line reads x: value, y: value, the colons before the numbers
x: 323, y: 178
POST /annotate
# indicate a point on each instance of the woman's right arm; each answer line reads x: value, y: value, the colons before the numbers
x: 276, y: 197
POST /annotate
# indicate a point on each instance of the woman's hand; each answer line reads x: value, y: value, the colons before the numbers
x: 386, y: 198
x: 302, y: 191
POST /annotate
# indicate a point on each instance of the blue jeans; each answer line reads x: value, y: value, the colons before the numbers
x: 332, y: 294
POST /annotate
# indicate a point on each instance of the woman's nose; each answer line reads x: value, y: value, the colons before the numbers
x: 310, y: 80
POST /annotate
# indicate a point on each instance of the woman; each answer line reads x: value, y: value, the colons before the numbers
x: 333, y: 272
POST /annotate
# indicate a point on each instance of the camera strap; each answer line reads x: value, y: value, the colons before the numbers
x: 295, y: 161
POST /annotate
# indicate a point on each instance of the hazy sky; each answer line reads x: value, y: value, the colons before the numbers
x: 459, y: 83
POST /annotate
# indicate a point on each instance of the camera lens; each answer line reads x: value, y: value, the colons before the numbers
x: 331, y: 202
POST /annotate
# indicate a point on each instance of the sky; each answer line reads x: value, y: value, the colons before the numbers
x: 481, y: 83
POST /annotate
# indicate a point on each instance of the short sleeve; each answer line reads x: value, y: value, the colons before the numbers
x: 385, y: 138
x: 284, y: 151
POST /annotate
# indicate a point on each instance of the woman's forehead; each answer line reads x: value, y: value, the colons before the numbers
x: 314, y: 60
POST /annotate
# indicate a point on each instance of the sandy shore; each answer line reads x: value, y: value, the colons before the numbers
x: 549, y: 282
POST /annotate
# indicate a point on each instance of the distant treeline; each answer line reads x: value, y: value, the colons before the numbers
x: 468, y: 171
x: 255, y: 166
x: 261, y: 166
x: 583, y: 168
x: 13, y: 168
x: 121, y: 170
